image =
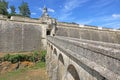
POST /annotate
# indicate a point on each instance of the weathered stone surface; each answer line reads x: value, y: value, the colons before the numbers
x: 16, y: 36
x: 104, y: 35
x: 92, y: 60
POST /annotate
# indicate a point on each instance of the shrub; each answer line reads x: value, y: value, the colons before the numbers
x: 6, y: 57
x: 43, y: 55
x: 16, y: 58
x: 22, y: 57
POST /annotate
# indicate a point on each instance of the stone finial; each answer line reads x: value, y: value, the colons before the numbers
x: 45, y: 12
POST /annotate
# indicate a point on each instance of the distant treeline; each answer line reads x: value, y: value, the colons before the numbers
x: 23, y: 9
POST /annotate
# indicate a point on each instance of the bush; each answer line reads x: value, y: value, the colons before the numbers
x: 13, y: 58
x: 16, y: 58
x: 43, y: 55
x: 6, y: 57
x: 22, y: 57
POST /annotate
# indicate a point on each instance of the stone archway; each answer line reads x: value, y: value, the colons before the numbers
x: 72, y: 73
x: 61, y: 67
x: 55, y: 51
x: 48, y: 32
x: 54, y: 66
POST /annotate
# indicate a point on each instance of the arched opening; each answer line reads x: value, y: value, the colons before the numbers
x: 51, y: 47
x: 50, y: 52
x: 54, y: 65
x: 48, y: 32
x: 55, y: 52
x: 53, y: 34
x: 60, y: 58
x: 49, y: 44
x: 61, y: 67
x: 72, y: 73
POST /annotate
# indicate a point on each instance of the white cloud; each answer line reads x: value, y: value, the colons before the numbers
x: 9, y: 10
x: 33, y: 13
x: 114, y: 25
x: 102, y: 3
x: 116, y: 16
x: 40, y: 9
x: 111, y: 21
x: 66, y: 11
x: 72, y: 4
x: 65, y: 16
x: 51, y: 10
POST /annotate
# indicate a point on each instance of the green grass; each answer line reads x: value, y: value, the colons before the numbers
x: 15, y: 74
x: 9, y: 75
x: 38, y: 65
x: 18, y: 72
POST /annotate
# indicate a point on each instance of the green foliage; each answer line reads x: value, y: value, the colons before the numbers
x: 3, y: 7
x: 39, y: 65
x: 13, y: 58
x: 15, y: 73
x: 22, y: 71
x: 17, y: 57
x: 24, y: 9
x: 6, y: 57
x: 36, y: 56
x: 12, y: 10
x: 43, y: 55
x: 35, y: 53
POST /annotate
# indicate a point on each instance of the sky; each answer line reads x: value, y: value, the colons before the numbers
x: 103, y: 13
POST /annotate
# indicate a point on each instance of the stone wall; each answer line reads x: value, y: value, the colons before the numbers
x: 89, y: 33
x: 67, y: 24
x: 24, y: 19
x: 20, y: 36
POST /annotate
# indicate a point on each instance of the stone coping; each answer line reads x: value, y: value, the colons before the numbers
x: 87, y: 28
x: 103, y: 48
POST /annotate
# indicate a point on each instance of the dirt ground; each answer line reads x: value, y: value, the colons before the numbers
x: 37, y: 74
x: 25, y: 74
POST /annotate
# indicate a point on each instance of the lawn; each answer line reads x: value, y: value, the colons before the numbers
x: 36, y: 72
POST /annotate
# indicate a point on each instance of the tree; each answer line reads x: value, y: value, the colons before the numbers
x: 3, y: 7
x: 12, y: 10
x: 24, y: 9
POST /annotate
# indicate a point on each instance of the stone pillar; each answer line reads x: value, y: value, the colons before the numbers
x: 44, y: 41
x: 55, y: 75
x: 53, y: 31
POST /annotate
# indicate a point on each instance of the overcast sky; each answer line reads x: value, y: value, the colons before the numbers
x: 104, y: 13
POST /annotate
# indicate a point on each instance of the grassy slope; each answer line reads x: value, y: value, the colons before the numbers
x: 36, y: 72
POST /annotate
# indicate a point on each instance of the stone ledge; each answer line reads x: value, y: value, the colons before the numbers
x: 87, y: 28
x: 106, y: 49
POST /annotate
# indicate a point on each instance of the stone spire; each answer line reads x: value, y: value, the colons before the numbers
x: 44, y: 12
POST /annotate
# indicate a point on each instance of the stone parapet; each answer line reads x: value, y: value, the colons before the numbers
x: 24, y: 19
x: 3, y: 17
x: 67, y: 24
x: 90, y: 33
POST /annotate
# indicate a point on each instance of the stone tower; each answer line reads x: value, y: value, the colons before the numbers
x: 51, y: 22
